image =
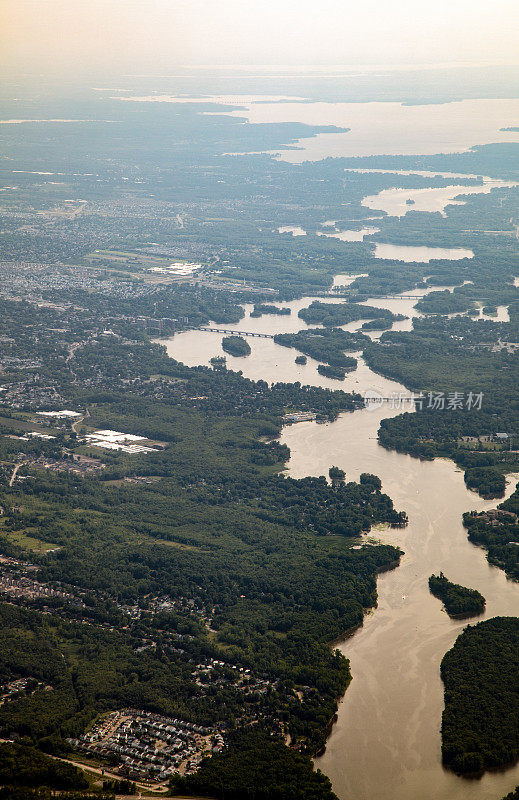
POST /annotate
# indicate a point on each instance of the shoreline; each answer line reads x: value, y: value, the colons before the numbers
x: 339, y: 640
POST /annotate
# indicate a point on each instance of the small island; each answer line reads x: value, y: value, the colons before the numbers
x: 236, y: 346
x: 218, y: 363
x: 263, y: 308
x: 301, y: 359
x: 459, y: 601
x: 326, y: 345
x: 332, y: 314
x: 377, y: 325
x: 336, y: 373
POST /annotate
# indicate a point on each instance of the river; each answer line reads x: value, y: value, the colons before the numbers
x: 386, y: 742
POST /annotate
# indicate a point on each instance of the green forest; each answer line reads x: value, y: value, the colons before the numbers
x: 480, y: 723
x: 255, y: 767
x: 21, y: 765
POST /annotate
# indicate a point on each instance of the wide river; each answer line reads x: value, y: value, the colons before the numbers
x: 386, y: 742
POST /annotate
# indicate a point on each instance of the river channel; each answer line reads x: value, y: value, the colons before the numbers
x: 386, y: 742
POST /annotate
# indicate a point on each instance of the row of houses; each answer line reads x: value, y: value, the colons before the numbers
x: 486, y: 438
x: 149, y: 746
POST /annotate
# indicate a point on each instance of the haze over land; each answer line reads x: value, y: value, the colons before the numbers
x: 73, y: 37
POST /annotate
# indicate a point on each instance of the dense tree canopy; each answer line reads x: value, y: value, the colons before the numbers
x: 458, y: 600
x: 480, y: 723
x: 256, y: 767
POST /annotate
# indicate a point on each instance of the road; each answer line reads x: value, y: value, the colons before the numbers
x: 160, y: 788
x: 80, y: 420
x: 13, y: 476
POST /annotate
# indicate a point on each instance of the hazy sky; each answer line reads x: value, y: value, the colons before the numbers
x: 155, y: 35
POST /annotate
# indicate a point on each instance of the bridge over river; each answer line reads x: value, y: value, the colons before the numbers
x: 233, y: 332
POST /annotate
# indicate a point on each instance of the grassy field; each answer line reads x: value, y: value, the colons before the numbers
x: 23, y: 424
x: 129, y: 258
x: 27, y: 542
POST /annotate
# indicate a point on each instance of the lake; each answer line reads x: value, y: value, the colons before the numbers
x: 375, y: 128
x: 422, y: 254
